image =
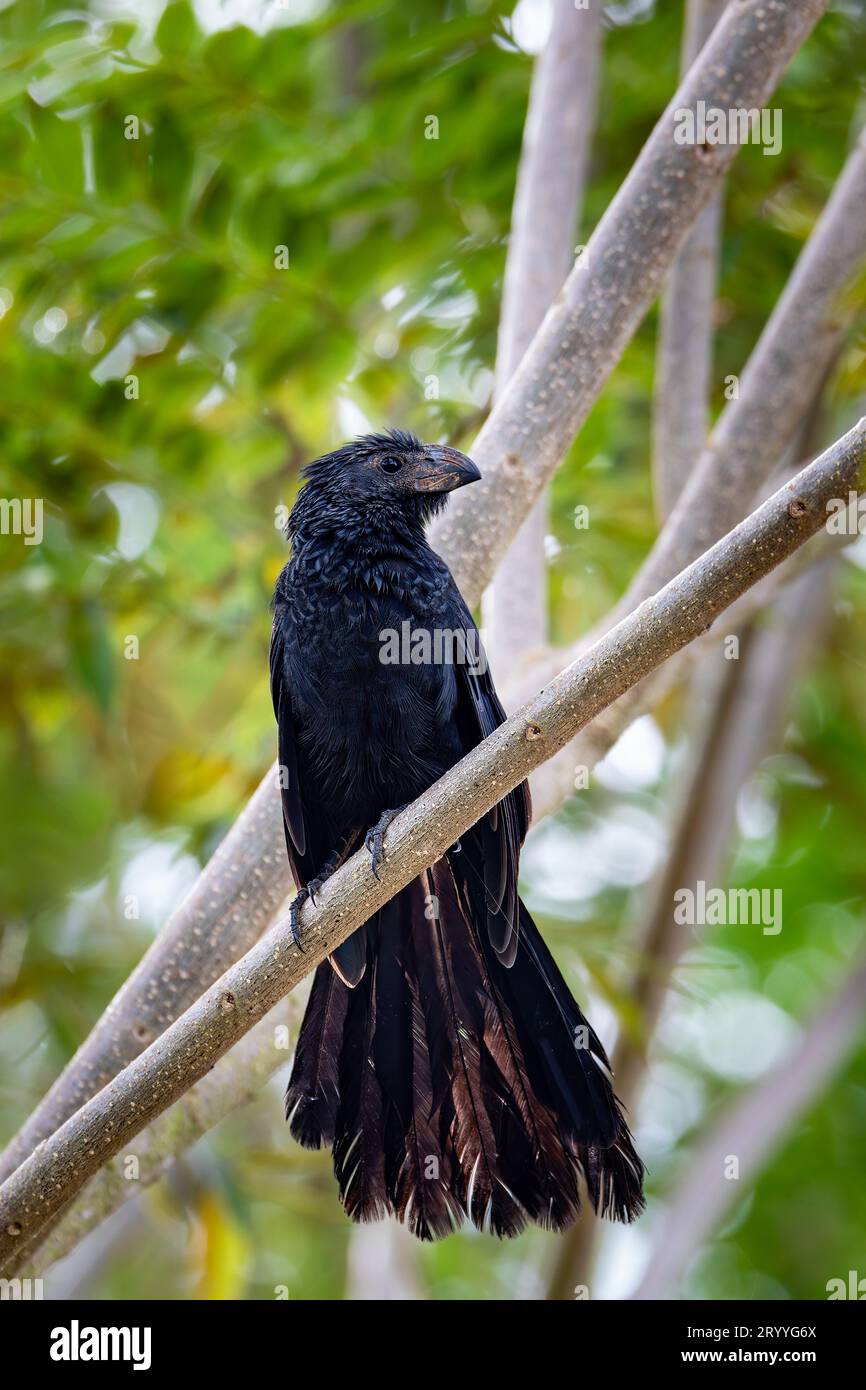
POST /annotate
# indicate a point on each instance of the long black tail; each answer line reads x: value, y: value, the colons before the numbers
x: 450, y: 1086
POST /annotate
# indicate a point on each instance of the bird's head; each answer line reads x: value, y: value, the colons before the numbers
x: 393, y: 472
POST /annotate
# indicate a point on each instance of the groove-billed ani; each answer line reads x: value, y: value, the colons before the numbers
x: 442, y: 1055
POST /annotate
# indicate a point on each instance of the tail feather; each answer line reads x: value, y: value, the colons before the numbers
x: 359, y: 1157
x: 477, y: 1096
x: 568, y: 1067
x: 418, y: 1160
x: 313, y: 1093
x: 573, y: 1056
x: 452, y: 1084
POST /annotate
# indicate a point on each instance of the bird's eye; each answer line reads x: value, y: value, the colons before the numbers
x: 390, y: 465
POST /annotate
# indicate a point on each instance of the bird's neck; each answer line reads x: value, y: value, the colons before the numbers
x: 340, y: 545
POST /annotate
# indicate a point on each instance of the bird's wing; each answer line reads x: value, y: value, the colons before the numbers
x: 489, y: 864
x: 307, y: 840
x: 295, y: 815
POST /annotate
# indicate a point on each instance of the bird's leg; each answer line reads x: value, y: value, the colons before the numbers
x: 375, y: 836
x: 309, y: 891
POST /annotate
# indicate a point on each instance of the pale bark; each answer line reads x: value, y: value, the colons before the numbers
x: 227, y: 910
x: 54, y: 1174
x: 611, y: 287
x: 787, y: 368
x: 777, y: 389
x: 233, y: 1082
x: 741, y: 705
x: 778, y: 384
x: 550, y: 181
x: 684, y: 354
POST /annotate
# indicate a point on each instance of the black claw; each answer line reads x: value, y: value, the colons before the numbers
x: 373, y: 844
x: 374, y: 840
x: 294, y: 908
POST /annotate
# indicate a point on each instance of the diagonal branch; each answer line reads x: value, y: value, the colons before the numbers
x: 420, y: 835
x: 740, y: 706
x: 788, y: 367
x: 228, y: 1085
x: 227, y: 910
x: 612, y: 286
x: 550, y: 183
x: 778, y: 386
x: 234, y: 1081
x: 779, y: 383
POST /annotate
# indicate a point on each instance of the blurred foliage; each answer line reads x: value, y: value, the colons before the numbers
x: 162, y: 380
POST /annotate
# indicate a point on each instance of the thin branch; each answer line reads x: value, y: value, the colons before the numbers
x: 227, y: 910
x: 787, y: 368
x: 420, y: 835
x: 612, y: 286
x: 550, y: 183
x: 233, y: 1082
x: 554, y: 782
x: 685, y: 338
x: 777, y: 388
x: 780, y: 381
x: 740, y: 707
x: 550, y: 395
x: 752, y: 1130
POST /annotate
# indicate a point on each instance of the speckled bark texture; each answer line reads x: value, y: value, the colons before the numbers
x: 233, y: 1082
x: 419, y: 835
x: 245, y: 883
x: 605, y: 297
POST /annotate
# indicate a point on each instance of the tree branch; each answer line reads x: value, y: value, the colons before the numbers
x: 741, y: 705
x: 611, y: 287
x: 228, y: 908
x: 550, y: 183
x: 778, y: 384
x: 787, y: 368
x: 685, y: 337
x: 420, y: 835
x: 233, y: 1082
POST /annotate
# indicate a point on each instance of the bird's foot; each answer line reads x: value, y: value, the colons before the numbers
x: 308, y: 894
x: 295, y: 906
x: 375, y: 836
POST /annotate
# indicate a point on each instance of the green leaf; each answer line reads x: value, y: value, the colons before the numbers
x: 91, y: 653
x: 177, y: 30
x: 172, y: 166
x: 59, y: 149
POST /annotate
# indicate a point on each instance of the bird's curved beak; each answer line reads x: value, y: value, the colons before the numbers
x: 445, y: 469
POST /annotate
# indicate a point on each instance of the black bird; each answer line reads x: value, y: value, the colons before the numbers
x: 441, y: 1056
